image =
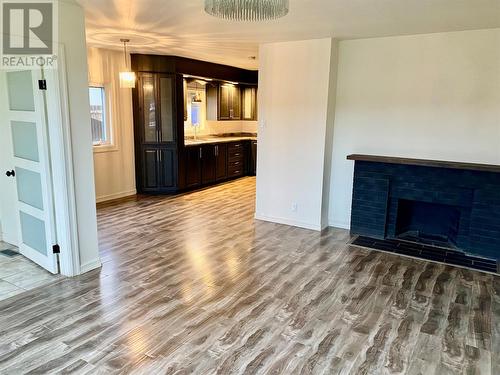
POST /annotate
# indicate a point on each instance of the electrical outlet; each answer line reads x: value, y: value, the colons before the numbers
x: 294, y: 207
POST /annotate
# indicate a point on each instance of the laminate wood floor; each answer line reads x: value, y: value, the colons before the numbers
x: 194, y: 285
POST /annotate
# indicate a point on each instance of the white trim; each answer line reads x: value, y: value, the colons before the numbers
x: 339, y: 224
x: 70, y: 249
x: 89, y: 266
x: 110, y: 197
x: 294, y: 223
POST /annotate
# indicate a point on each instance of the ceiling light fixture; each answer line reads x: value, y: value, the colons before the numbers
x: 247, y: 10
x: 127, y: 78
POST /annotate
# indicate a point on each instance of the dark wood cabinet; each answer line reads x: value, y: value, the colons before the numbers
x: 249, y: 103
x: 157, y: 166
x: 192, y: 157
x: 156, y: 132
x: 236, y: 159
x: 220, y: 162
x: 208, y: 164
x: 223, y: 102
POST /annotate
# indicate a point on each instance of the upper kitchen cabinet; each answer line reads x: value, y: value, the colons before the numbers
x: 157, y: 108
x: 249, y: 103
x: 223, y: 102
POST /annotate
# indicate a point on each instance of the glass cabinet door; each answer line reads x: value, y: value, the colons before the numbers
x: 149, y: 108
x: 167, y: 103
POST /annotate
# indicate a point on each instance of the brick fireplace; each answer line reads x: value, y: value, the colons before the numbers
x: 433, y: 203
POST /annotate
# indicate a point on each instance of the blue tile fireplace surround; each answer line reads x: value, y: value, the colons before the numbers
x: 446, y: 204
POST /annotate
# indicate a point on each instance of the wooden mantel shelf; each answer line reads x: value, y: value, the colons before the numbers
x: 426, y: 163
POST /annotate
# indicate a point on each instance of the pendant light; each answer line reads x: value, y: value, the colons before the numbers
x: 247, y: 10
x: 127, y: 78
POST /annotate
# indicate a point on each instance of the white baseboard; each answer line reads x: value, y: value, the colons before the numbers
x: 293, y: 223
x: 89, y: 266
x: 110, y: 197
x: 339, y: 224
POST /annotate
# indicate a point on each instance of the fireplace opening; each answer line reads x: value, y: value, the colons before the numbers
x: 428, y: 223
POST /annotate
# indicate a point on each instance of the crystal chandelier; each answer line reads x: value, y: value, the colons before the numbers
x: 247, y: 10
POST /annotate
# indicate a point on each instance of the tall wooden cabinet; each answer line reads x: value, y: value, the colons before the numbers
x: 156, y: 132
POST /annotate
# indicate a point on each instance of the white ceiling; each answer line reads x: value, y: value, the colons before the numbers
x: 181, y: 27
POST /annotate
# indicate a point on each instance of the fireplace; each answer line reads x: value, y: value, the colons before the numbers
x: 428, y: 223
x: 446, y: 205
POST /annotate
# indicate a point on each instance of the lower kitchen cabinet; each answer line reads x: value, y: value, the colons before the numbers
x: 192, y: 156
x: 211, y: 163
x: 220, y: 162
x: 208, y: 164
x: 236, y: 159
x: 158, y: 169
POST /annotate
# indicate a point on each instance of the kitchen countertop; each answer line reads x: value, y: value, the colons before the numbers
x: 214, y: 139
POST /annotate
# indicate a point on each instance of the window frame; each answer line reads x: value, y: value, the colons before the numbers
x: 110, y: 144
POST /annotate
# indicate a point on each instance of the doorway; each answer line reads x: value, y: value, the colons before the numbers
x: 27, y: 213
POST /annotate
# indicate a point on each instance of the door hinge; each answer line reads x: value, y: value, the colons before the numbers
x: 56, y: 249
x: 42, y: 84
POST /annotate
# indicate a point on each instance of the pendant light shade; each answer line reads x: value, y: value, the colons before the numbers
x: 127, y: 78
x: 247, y: 10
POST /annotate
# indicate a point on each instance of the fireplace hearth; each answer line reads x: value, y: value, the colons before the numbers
x: 446, y: 205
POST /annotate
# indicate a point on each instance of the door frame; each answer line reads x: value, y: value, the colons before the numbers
x: 62, y: 167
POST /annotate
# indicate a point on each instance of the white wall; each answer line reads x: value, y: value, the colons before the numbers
x: 72, y: 36
x: 431, y: 96
x: 114, y: 168
x: 294, y: 80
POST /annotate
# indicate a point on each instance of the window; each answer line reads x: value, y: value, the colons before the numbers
x: 101, y: 132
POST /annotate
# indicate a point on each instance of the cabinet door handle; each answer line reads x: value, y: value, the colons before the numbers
x: 216, y: 150
x: 201, y: 153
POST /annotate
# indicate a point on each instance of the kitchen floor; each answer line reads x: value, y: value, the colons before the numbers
x: 18, y: 274
x: 193, y: 284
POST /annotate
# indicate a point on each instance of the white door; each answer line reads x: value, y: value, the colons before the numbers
x: 24, y: 114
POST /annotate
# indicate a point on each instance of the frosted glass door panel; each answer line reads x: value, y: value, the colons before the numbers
x: 28, y: 140
x: 24, y: 140
x: 167, y: 109
x: 20, y: 91
x: 29, y: 187
x: 149, y: 105
x: 33, y: 233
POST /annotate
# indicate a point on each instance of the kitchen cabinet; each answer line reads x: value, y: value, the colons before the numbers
x: 155, y: 133
x: 249, y: 103
x: 236, y: 159
x: 208, y: 164
x: 156, y: 108
x: 192, y: 156
x: 223, y: 102
x: 220, y: 162
x: 185, y: 96
x: 252, y: 158
x: 156, y: 169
